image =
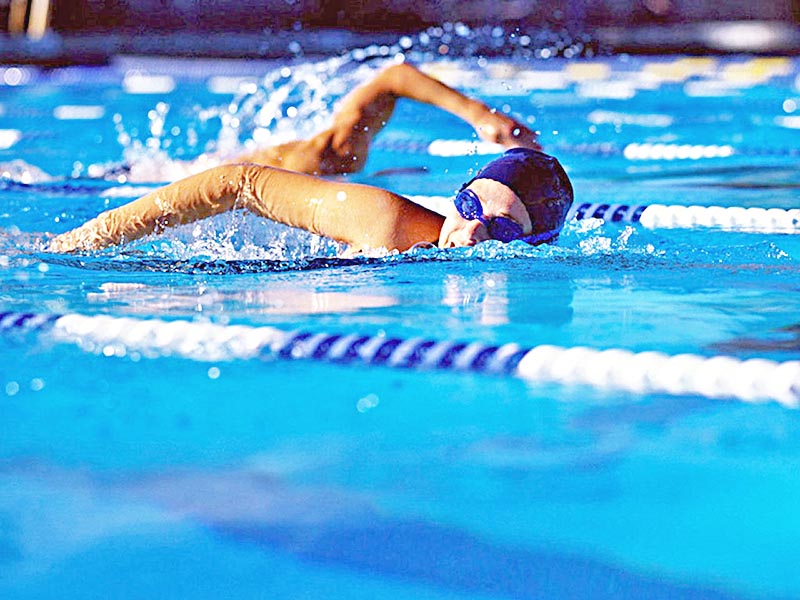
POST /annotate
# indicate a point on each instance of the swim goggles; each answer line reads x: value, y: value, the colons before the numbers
x: 502, y: 229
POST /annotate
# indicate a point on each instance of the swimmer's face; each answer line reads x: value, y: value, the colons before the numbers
x: 497, y: 200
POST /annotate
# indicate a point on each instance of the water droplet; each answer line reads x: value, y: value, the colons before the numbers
x: 366, y: 403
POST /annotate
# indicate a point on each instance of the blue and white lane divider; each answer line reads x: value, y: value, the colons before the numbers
x: 643, y: 372
x: 662, y: 216
x: 633, y: 151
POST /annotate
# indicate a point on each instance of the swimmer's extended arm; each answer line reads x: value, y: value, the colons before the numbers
x: 406, y: 81
x: 359, y: 215
x: 343, y: 148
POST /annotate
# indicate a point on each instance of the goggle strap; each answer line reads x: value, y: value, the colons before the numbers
x: 540, y: 238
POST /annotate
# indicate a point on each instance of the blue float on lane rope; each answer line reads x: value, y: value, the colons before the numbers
x: 643, y: 372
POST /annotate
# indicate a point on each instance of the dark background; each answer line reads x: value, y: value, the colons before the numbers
x: 399, y: 15
x: 92, y: 30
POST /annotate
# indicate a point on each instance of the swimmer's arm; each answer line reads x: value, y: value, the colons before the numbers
x: 358, y: 215
x: 196, y: 197
x: 405, y: 81
x: 343, y: 148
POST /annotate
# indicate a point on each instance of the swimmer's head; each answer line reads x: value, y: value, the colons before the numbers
x: 523, y: 188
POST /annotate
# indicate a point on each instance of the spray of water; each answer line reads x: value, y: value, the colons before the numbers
x: 294, y: 100
x: 297, y: 99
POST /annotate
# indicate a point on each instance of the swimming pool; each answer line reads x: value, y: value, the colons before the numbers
x: 132, y: 471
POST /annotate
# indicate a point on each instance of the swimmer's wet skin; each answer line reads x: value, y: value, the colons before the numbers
x: 364, y: 112
x: 524, y: 194
x: 283, y: 186
x: 358, y: 215
x: 528, y: 195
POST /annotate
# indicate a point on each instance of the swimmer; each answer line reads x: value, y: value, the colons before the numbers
x: 522, y: 195
x: 364, y: 112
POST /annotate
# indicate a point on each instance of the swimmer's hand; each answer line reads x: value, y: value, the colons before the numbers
x: 66, y: 242
x: 498, y: 128
x: 86, y: 237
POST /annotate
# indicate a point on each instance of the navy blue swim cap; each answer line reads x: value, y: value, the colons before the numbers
x: 540, y: 182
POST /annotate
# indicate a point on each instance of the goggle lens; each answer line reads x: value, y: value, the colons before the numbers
x: 502, y: 229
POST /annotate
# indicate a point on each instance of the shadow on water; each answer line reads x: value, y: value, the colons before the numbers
x: 601, y: 250
x: 254, y: 266
x: 333, y: 527
x: 207, y: 267
x: 128, y: 263
x: 449, y: 558
x: 148, y: 260
x: 784, y: 339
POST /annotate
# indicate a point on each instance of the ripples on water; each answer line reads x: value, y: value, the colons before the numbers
x: 288, y: 102
x: 296, y: 100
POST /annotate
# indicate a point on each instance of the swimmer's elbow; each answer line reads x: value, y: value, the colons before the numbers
x: 396, y: 78
x: 252, y: 187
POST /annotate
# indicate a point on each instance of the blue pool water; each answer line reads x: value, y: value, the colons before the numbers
x: 129, y: 475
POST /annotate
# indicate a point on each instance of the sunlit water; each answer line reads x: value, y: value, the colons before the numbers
x: 140, y: 477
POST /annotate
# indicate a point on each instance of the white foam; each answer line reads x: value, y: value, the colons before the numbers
x: 142, y: 83
x: 9, y: 137
x: 463, y: 148
x: 71, y: 112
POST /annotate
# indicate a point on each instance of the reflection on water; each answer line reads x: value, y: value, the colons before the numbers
x: 144, y: 299
x: 502, y: 297
x: 485, y: 292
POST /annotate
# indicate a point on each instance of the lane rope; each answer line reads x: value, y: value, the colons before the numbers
x: 663, y: 216
x: 633, y: 151
x: 749, y: 380
x: 451, y: 148
x: 651, y: 216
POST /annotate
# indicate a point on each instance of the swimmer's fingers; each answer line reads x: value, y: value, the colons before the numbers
x: 63, y: 243
x: 86, y: 237
x: 515, y: 134
x: 523, y: 137
x: 508, y: 133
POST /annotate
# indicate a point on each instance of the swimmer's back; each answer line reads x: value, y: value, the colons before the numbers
x: 320, y: 155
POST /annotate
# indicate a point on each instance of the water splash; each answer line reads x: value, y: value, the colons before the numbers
x: 19, y: 171
x: 297, y: 100
x: 289, y: 102
x: 457, y: 40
